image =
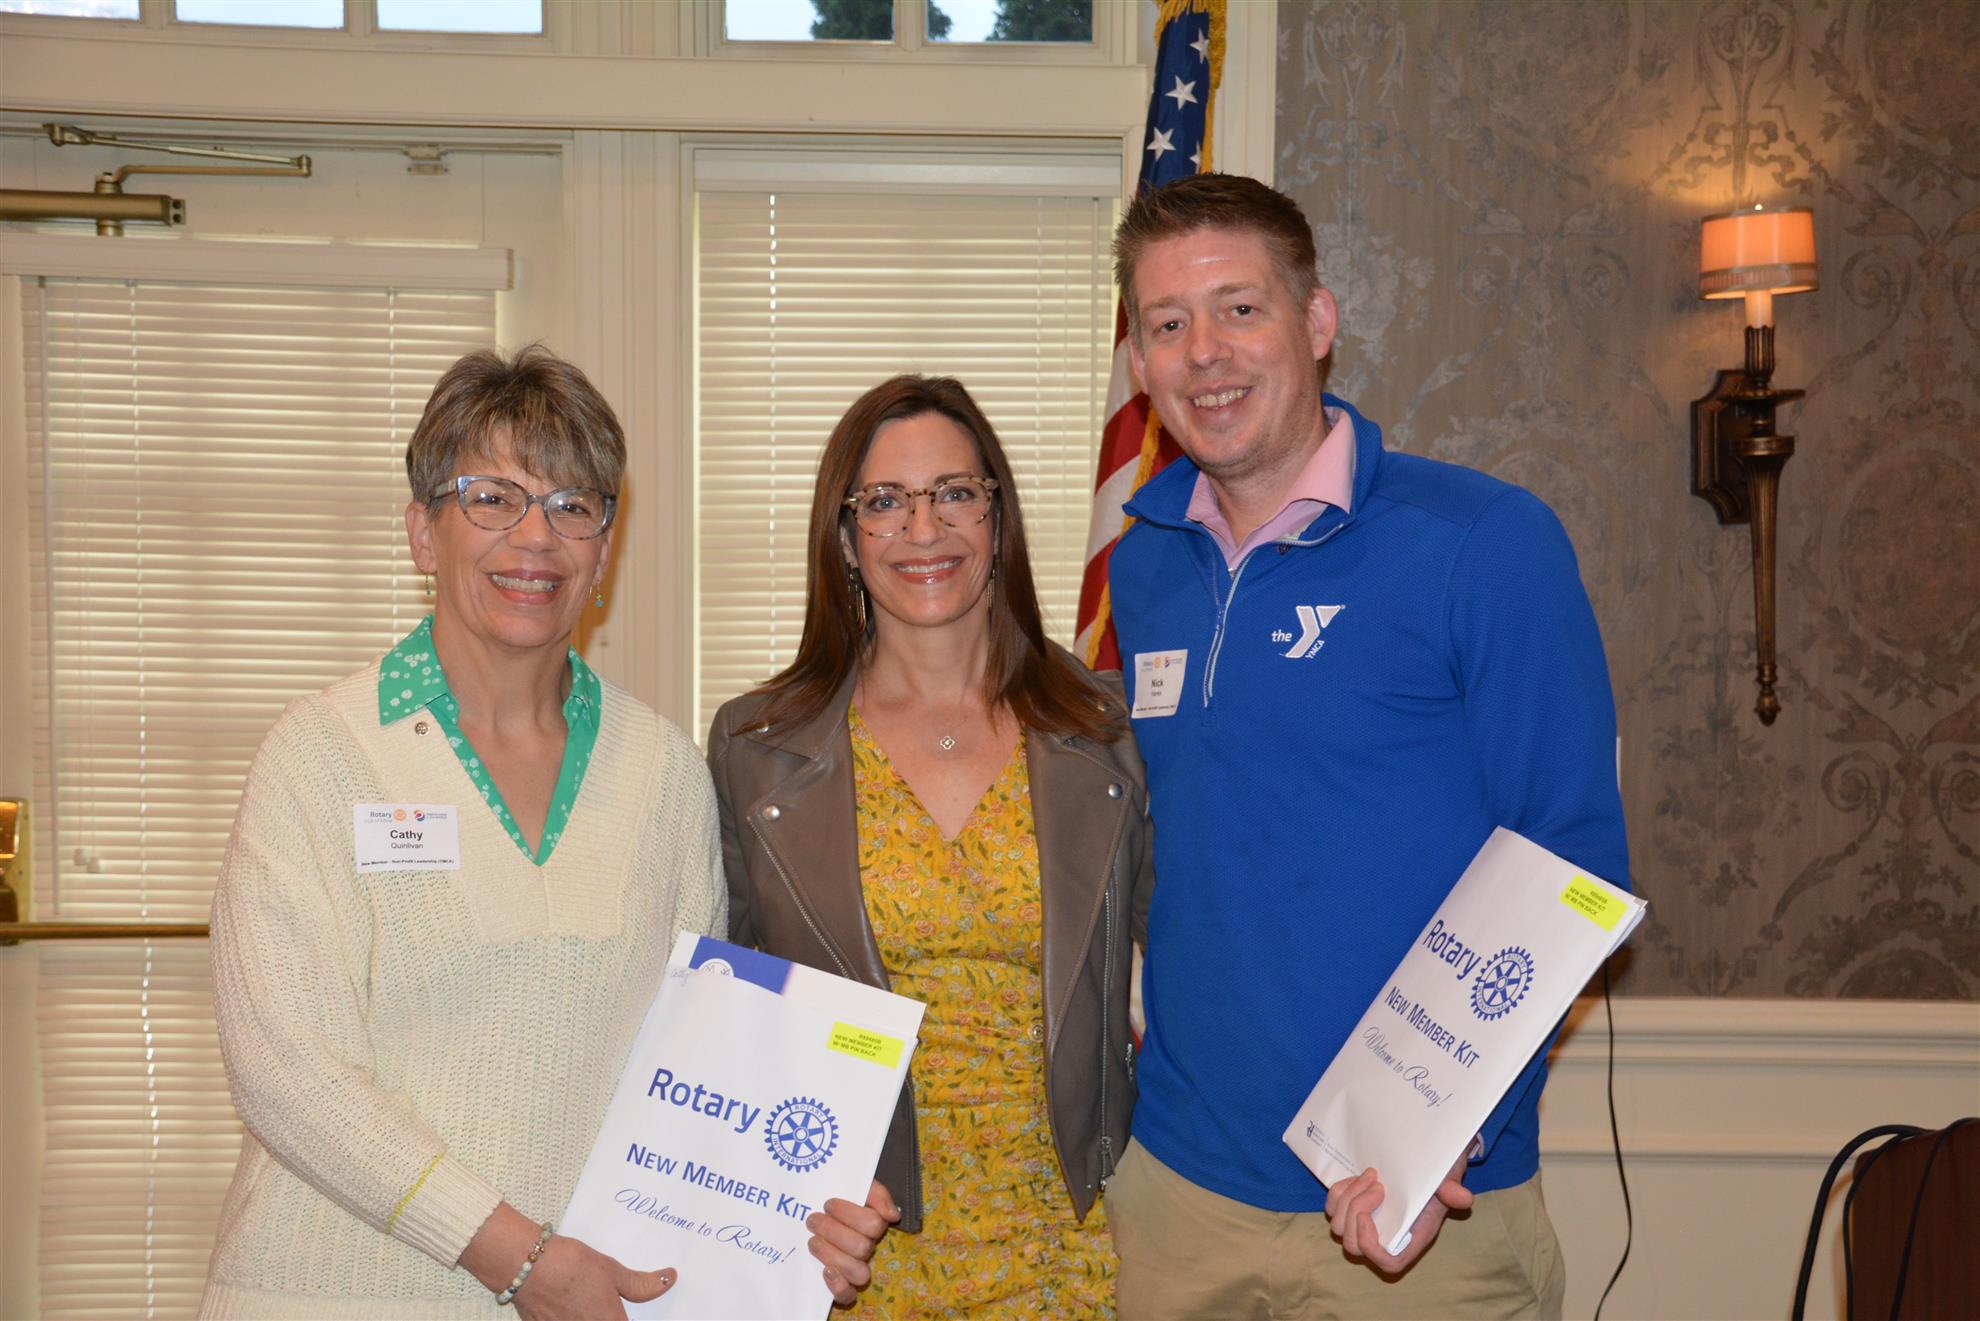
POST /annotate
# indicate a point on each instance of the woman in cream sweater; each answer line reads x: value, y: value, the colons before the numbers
x: 448, y: 899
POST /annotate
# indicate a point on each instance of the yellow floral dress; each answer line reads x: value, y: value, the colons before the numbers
x: 959, y: 926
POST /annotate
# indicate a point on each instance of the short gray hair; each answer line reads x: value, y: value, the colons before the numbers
x: 535, y: 408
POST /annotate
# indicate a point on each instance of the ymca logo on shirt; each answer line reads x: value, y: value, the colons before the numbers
x: 1313, y: 621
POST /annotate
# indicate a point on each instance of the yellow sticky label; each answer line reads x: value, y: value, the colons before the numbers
x: 866, y: 1044
x: 1594, y: 903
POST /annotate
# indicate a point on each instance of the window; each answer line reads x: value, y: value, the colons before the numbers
x: 260, y: 13
x: 124, y: 9
x: 801, y: 20
x: 215, y: 480
x: 874, y: 20
x: 483, y: 17
x: 215, y: 515
x: 507, y: 16
x: 1010, y: 20
x: 889, y: 28
x: 817, y: 278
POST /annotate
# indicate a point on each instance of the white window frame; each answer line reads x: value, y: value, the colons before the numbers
x: 692, y: 28
x: 157, y: 21
x: 233, y: 261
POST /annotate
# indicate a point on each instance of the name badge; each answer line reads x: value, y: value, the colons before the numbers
x: 406, y: 836
x: 1158, y: 683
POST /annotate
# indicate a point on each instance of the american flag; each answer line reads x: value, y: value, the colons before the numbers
x: 1189, y: 59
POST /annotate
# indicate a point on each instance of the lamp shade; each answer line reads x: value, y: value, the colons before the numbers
x: 1757, y: 251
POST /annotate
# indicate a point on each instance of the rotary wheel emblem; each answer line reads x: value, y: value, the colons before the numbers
x: 801, y: 1134
x: 1502, y: 983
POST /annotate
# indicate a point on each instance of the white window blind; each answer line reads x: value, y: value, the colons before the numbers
x: 215, y: 487
x: 807, y: 295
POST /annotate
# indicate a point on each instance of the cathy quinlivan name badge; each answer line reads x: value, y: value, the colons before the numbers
x: 406, y: 836
x: 1158, y: 682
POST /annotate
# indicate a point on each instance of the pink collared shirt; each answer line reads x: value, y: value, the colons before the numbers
x: 1327, y: 479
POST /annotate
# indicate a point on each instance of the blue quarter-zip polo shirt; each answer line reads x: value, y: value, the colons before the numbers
x: 1362, y: 703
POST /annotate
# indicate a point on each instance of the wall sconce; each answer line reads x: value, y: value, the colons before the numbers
x: 1736, y: 455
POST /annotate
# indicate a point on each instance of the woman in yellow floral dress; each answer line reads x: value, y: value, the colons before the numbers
x: 935, y: 799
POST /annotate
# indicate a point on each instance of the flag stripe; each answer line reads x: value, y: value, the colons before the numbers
x: 1189, y: 60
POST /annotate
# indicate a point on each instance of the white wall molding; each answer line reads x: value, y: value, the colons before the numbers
x: 74, y: 75
x: 1729, y: 1112
x: 1246, y: 126
x: 623, y: 220
x: 399, y: 266
x: 726, y: 164
x: 1786, y: 1032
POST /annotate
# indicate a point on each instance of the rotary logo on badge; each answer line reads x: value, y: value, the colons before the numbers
x: 1502, y: 983
x: 801, y: 1134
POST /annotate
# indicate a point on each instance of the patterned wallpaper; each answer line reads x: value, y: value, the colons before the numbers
x: 1507, y: 199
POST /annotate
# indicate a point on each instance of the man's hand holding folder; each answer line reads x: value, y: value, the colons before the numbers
x: 1351, y: 1205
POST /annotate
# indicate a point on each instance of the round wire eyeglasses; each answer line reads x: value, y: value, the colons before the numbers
x: 576, y: 513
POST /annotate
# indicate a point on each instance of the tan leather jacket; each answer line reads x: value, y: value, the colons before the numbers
x: 789, y: 847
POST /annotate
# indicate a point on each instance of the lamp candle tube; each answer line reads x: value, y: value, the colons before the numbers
x: 1763, y: 461
x: 1759, y: 307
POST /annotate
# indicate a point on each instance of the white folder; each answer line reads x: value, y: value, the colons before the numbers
x: 1480, y: 989
x: 756, y: 1089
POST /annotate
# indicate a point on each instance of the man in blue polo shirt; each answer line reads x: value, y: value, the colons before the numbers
x: 1347, y: 666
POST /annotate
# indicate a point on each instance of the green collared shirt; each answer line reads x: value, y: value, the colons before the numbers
x: 410, y: 680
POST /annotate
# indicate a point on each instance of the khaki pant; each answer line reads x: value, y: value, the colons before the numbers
x: 1187, y: 1252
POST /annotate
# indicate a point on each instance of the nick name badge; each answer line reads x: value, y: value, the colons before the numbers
x: 1158, y: 682
x: 406, y: 836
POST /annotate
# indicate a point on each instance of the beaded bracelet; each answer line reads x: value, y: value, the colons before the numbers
x: 508, y: 1295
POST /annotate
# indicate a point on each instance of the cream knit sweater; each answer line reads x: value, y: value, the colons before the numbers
x: 409, y: 1048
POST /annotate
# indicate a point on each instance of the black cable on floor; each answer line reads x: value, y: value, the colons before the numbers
x: 1615, y: 1136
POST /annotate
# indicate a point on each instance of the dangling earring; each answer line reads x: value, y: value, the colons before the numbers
x: 599, y: 599
x: 858, y: 590
x: 429, y: 587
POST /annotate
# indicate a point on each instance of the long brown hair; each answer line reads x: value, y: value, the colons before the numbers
x: 1041, y: 687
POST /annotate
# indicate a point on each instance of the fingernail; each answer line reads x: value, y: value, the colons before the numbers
x: 667, y: 1277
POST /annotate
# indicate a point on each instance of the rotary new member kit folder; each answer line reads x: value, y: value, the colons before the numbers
x: 756, y: 1089
x: 1479, y: 991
